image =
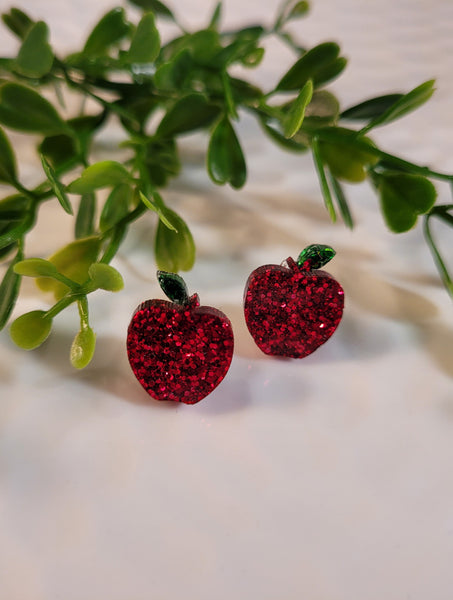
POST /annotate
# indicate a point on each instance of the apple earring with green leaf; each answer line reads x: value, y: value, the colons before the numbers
x: 177, y: 349
x: 293, y: 308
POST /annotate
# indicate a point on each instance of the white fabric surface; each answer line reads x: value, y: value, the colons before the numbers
x: 327, y: 478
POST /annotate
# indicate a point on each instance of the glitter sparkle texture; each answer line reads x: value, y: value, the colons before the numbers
x: 179, y: 352
x: 290, y: 311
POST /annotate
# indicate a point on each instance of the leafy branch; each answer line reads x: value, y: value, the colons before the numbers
x: 133, y: 77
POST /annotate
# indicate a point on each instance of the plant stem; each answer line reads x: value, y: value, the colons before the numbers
x: 445, y: 275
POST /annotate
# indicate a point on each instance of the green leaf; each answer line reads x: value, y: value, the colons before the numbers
x: 73, y: 261
x: 319, y: 164
x: 403, y: 197
x: 35, y: 58
x: 16, y: 230
x: 7, y: 160
x: 162, y: 161
x: 116, y: 206
x: 35, y: 267
x: 175, y: 72
x: 290, y: 10
x: 24, y: 109
x: 300, y: 9
x: 309, y: 66
x: 107, y: 173
x: 244, y: 92
x: 375, y: 107
x: 82, y: 348
x: 31, y: 329
x: 404, y: 105
x: 226, y: 163
x: 345, y: 161
x: 57, y: 187
x: 156, y: 7
x: 139, y: 108
x: 296, y: 114
x: 156, y: 204
x: 204, y: 46
x: 9, y: 290
x: 84, y: 225
x: 189, y: 113
x: 216, y: 16
x: 109, y: 31
x: 175, y: 251
x: 59, y: 149
x: 17, y: 202
x: 253, y: 58
x: 272, y: 127
x: 341, y: 201
x: 330, y: 71
x: 145, y: 43
x: 322, y: 110
x: 105, y: 277
x: 17, y: 21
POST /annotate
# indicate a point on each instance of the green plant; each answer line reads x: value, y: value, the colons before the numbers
x: 132, y: 77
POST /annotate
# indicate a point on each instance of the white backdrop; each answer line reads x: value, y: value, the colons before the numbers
x: 327, y: 478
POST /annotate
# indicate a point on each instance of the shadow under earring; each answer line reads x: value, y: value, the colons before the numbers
x: 179, y: 350
x: 293, y: 308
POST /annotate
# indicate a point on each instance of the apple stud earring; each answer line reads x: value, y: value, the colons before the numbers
x: 293, y: 308
x: 179, y: 350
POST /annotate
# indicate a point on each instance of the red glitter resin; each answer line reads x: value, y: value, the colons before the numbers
x: 290, y: 311
x: 179, y: 352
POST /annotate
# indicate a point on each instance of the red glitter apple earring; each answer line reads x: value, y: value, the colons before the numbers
x: 293, y: 308
x: 179, y: 350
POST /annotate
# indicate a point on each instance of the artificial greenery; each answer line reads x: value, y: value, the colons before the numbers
x: 183, y: 85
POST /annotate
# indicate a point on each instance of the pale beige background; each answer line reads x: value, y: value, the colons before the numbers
x: 327, y: 478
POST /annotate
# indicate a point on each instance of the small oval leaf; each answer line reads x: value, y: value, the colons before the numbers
x: 189, y: 113
x: 156, y: 7
x: 82, y: 349
x: 300, y: 9
x: 175, y: 251
x: 403, y: 197
x: 106, y: 277
x: 35, y: 267
x: 60, y: 150
x: 369, y: 109
x: 406, y: 104
x: 24, y: 109
x: 107, y: 173
x: 31, y: 329
x: 84, y: 225
x: 345, y: 161
x: 116, y: 206
x: 17, y: 21
x: 296, y: 114
x: 145, y: 43
x: 57, y: 187
x: 308, y: 66
x: 109, y: 31
x: 35, y: 58
x: 226, y: 163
